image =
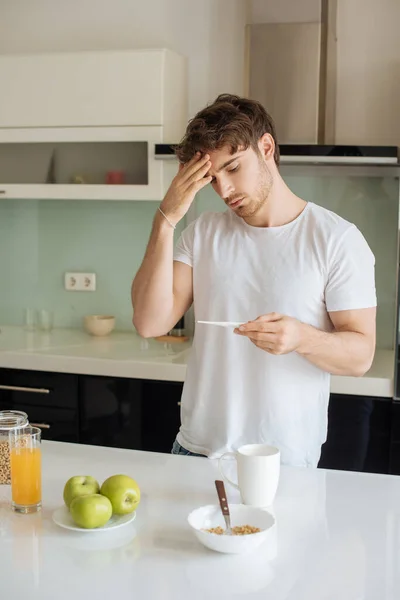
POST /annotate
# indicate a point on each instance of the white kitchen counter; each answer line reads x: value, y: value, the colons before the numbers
x: 74, y: 351
x: 128, y: 355
x: 337, y: 536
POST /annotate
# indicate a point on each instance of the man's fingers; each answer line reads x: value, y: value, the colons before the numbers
x: 258, y: 336
x: 270, y: 317
x: 261, y: 322
x: 193, y: 166
x: 264, y: 326
x: 198, y: 185
x: 198, y: 175
x: 192, y: 161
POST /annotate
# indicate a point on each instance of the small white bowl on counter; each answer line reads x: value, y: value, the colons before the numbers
x: 209, y: 517
x: 99, y: 325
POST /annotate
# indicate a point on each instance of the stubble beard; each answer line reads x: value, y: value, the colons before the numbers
x: 260, y: 197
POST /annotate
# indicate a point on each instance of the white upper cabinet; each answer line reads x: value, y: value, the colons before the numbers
x: 84, y: 124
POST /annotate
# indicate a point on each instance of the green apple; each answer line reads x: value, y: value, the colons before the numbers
x: 91, y: 511
x: 123, y: 493
x: 80, y: 485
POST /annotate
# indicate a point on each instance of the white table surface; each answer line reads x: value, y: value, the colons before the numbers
x: 337, y: 537
x: 124, y: 354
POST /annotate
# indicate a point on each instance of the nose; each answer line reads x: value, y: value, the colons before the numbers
x: 224, y: 188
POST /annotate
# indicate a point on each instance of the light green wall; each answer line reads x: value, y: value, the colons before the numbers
x: 41, y: 239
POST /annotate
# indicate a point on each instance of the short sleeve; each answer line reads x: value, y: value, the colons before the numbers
x: 183, y: 251
x: 351, y: 277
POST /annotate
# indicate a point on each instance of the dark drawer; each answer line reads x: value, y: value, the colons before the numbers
x: 58, y: 424
x: 33, y: 388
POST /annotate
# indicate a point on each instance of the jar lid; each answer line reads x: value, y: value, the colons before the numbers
x: 11, y: 419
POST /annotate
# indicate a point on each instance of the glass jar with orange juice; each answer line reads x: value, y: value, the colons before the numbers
x: 9, y: 420
x: 26, y: 469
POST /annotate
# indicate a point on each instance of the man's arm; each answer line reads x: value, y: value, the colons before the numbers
x: 349, y: 350
x: 162, y: 290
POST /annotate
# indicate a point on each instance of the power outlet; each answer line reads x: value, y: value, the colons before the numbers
x: 88, y: 282
x: 80, y: 282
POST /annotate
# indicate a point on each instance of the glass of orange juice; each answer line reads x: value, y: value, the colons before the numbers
x: 26, y: 469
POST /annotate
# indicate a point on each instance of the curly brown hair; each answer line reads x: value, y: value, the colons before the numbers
x: 229, y: 120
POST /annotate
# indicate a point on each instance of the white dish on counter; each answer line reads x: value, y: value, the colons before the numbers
x: 207, y: 517
x: 99, y: 325
x: 222, y: 323
x: 62, y: 517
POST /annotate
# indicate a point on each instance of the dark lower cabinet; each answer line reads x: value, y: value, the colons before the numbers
x: 129, y: 413
x: 110, y: 411
x: 49, y: 399
x: 105, y: 411
x: 161, y: 414
x: 395, y: 440
x: 359, y: 434
x: 145, y: 415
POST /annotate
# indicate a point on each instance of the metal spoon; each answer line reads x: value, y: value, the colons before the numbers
x: 223, y: 502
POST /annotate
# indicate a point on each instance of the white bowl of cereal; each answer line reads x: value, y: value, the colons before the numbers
x: 251, y: 527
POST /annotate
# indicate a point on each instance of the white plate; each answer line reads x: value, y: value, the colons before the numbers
x: 62, y: 517
x: 222, y: 323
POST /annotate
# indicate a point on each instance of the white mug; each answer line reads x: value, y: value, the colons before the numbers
x: 258, y: 467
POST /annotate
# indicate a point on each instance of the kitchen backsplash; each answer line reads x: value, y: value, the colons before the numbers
x: 40, y: 240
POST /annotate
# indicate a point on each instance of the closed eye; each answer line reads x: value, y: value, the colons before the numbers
x: 213, y: 180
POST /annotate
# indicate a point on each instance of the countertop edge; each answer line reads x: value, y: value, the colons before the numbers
x: 133, y: 369
x: 157, y: 370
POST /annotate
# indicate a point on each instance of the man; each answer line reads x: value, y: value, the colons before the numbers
x: 299, y: 278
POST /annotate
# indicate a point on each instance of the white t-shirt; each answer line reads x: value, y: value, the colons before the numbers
x: 234, y: 392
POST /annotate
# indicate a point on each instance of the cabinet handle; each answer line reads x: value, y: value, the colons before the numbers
x: 2, y: 191
x: 179, y: 403
x: 17, y: 388
x: 40, y: 425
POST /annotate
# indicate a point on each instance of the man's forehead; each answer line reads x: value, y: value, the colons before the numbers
x: 219, y: 157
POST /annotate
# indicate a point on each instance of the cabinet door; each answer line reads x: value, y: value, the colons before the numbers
x: 110, y: 411
x: 49, y: 399
x: 91, y: 89
x: 57, y: 424
x: 395, y: 439
x: 160, y: 414
x: 129, y: 413
x: 38, y: 388
x: 358, y: 434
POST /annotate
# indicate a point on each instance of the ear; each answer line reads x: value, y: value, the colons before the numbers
x: 266, y: 146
